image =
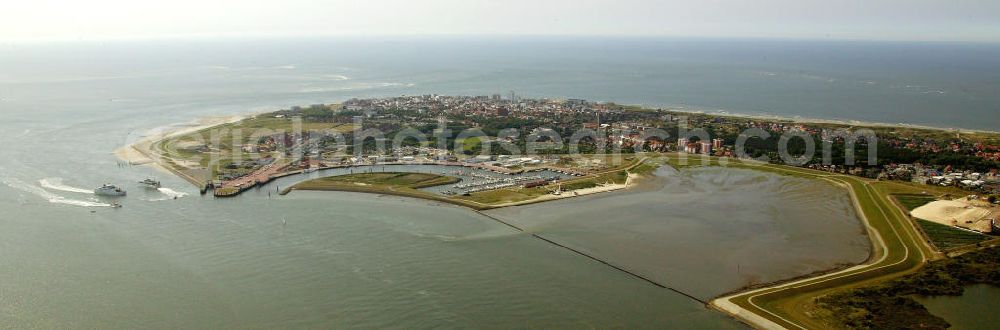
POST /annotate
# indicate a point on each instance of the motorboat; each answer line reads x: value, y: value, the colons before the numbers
x: 109, y: 190
x: 150, y: 183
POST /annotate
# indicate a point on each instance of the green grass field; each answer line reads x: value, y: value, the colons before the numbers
x: 469, y: 144
x: 506, y: 195
x: 947, y: 237
x: 911, y: 202
x: 394, y: 179
x: 391, y: 183
x: 210, y: 152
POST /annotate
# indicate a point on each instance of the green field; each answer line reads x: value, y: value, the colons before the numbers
x: 469, y: 144
x: 911, y: 202
x: 390, y: 179
x: 218, y: 149
x: 224, y: 137
x: 388, y: 183
x: 506, y: 195
x: 947, y: 237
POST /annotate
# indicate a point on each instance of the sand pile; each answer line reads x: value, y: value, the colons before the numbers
x: 954, y: 212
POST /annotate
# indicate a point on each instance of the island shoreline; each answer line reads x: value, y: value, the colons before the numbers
x: 867, y: 270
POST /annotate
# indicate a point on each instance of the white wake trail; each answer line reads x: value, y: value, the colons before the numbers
x: 171, y: 193
x: 45, y: 194
x: 57, y: 184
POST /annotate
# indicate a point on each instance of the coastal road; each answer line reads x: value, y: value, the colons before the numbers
x: 898, y: 249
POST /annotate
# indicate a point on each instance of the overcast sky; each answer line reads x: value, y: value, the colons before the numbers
x: 937, y: 20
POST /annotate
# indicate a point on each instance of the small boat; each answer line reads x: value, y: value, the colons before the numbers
x: 109, y: 190
x: 116, y: 206
x: 150, y: 183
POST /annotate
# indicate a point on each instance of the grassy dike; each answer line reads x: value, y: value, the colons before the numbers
x: 897, y: 249
x: 900, y: 252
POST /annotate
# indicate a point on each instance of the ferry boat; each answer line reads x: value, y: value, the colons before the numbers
x: 150, y: 183
x: 109, y: 190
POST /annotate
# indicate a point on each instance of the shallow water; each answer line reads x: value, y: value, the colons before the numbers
x: 707, y: 231
x: 974, y: 309
x: 345, y: 259
x: 355, y: 260
x: 340, y: 259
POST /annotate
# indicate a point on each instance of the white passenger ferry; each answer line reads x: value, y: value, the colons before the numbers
x: 150, y: 183
x: 109, y: 190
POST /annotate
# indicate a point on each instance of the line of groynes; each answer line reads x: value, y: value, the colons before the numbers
x: 589, y: 256
x: 898, y: 249
x: 592, y: 257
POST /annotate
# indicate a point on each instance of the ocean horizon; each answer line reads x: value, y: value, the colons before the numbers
x: 942, y: 85
x: 322, y: 259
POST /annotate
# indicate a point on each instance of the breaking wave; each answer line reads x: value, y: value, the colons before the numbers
x: 353, y: 87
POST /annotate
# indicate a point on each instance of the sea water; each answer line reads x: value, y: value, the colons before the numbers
x: 312, y: 259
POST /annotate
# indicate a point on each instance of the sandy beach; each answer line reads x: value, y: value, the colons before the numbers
x: 140, y: 152
x: 805, y: 120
